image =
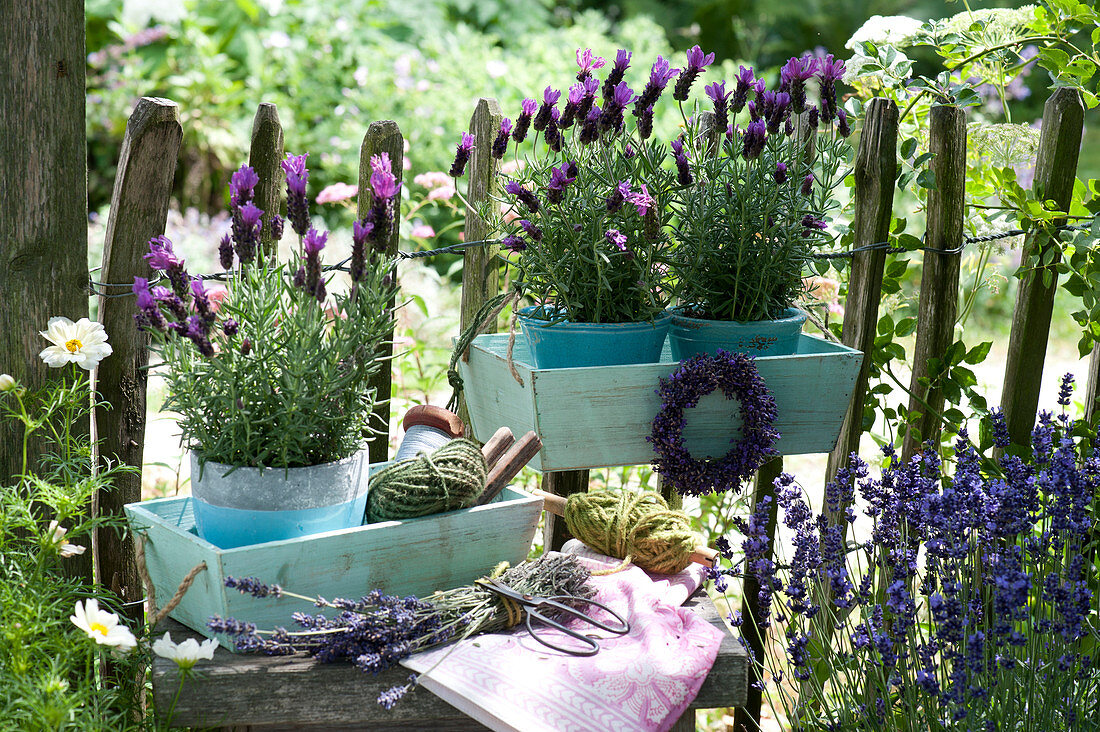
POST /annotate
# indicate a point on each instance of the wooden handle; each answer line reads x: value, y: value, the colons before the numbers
x: 437, y: 417
x: 556, y: 505
x: 508, y: 467
x: 501, y: 440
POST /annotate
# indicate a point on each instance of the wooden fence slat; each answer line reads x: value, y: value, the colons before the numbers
x: 480, y: 280
x: 875, y: 175
x: 381, y: 137
x: 139, y: 210
x: 939, y: 285
x: 1055, y: 174
x: 265, y: 156
x: 1092, y: 388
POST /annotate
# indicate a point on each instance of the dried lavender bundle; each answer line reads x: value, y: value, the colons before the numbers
x: 377, y: 631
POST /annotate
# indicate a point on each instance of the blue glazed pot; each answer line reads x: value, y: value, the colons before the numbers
x: 569, y: 345
x: 689, y: 337
x: 254, y: 505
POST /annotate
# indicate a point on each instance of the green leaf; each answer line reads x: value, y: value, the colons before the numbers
x: 927, y: 179
x: 905, y: 327
x: 978, y: 353
x: 908, y: 147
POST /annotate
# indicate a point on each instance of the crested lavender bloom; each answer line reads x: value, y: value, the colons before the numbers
x: 501, y: 144
x: 297, y: 205
x: 641, y: 200
x: 162, y: 257
x: 559, y: 179
x: 612, y: 116
x: 659, y: 76
x: 811, y: 223
x: 813, y: 117
x: 618, y: 196
x: 196, y: 331
x: 618, y: 71
x: 531, y: 229
x: 202, y: 300
x: 462, y: 155
x: 618, y: 239
x: 277, y: 227
x: 808, y: 184
x: 241, y: 185
x: 225, y: 252
x: 360, y: 235
x: 590, y: 130
x: 230, y: 327
x: 172, y: 301
x: 645, y: 122
x: 312, y: 245
x: 829, y: 73
x: 842, y: 122
x: 529, y: 199
x: 745, y: 79
x: 572, y: 104
x: 513, y: 243
x: 246, y: 231
x: 587, y: 61
x: 683, y: 170
x: 754, y: 140
x: 149, y: 312
x: 720, y: 97
x: 385, y: 198
x: 775, y: 108
x: 793, y: 77
x: 523, y: 122
x: 697, y: 62
x: 590, y: 85
x: 553, y: 133
x: 780, y: 173
x: 550, y: 98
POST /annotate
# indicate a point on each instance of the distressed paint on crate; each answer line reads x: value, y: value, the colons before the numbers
x: 597, y: 417
x: 413, y: 557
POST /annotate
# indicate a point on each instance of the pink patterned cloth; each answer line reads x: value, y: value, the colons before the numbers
x: 643, y: 680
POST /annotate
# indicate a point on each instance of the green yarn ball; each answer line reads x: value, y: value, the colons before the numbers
x: 637, y: 525
x: 450, y: 478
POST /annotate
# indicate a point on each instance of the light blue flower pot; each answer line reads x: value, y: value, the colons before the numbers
x: 569, y: 345
x: 689, y: 337
x: 254, y: 505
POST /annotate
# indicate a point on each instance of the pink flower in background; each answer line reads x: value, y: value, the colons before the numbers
x: 510, y: 213
x: 422, y: 231
x: 443, y: 193
x: 337, y: 192
x: 512, y: 166
x: 433, y: 179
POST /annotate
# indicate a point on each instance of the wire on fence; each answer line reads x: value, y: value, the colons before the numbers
x: 342, y: 266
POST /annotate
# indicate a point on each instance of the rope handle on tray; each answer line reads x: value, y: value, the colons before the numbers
x: 486, y: 315
x: 150, y: 590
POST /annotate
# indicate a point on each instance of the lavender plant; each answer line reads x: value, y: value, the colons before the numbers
x: 586, y: 210
x: 753, y: 203
x: 274, y: 371
x: 969, y: 606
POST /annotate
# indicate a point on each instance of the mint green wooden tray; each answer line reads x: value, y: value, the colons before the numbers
x: 413, y: 557
x: 600, y: 416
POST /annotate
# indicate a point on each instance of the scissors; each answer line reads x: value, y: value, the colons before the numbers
x: 535, y: 607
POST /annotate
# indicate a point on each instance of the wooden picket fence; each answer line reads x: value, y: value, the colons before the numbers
x: 140, y: 204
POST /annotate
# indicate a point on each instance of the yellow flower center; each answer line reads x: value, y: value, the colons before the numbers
x: 74, y: 345
x: 99, y: 628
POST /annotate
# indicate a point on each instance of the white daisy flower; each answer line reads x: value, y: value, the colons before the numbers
x: 102, y: 626
x: 83, y: 343
x: 57, y: 538
x: 7, y: 383
x: 185, y: 654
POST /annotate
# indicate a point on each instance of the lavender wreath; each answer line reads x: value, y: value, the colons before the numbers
x: 736, y: 375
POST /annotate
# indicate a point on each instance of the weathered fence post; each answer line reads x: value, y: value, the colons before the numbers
x: 139, y: 210
x: 1092, y: 389
x: 939, y: 285
x: 265, y: 156
x: 44, y: 199
x: 480, y: 278
x: 1055, y: 174
x: 875, y: 174
x: 381, y: 137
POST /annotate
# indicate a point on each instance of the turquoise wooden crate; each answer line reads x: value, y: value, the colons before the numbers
x: 413, y: 557
x: 596, y: 417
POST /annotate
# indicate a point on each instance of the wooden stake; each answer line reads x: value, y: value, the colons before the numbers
x: 139, y: 211
x: 1055, y: 174
x: 508, y: 467
x: 497, y: 445
x: 265, y: 156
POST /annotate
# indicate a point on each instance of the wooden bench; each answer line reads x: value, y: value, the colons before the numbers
x: 253, y: 692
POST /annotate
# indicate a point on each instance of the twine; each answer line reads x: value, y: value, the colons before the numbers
x: 447, y: 479
x: 636, y: 527
x: 486, y: 315
x: 150, y: 589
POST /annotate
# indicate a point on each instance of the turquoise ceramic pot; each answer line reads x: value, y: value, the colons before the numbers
x: 569, y: 345
x: 689, y: 337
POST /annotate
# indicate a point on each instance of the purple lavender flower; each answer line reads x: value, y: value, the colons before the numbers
x: 775, y: 109
x: 811, y: 223
x: 683, y: 170
x: 246, y: 231
x: 1065, y: 391
x: 196, y: 331
x: 529, y: 199
x: 697, y: 62
x: 842, y: 122
x: 148, y: 311
x: 462, y: 155
x: 360, y: 234
x: 659, y: 76
x: 230, y: 327
x: 253, y: 586
x: 523, y: 122
x: 246, y: 346
x: 745, y: 80
x: 612, y: 116
x: 618, y: 239
x: 553, y: 133
x: 172, y: 301
x: 388, y: 699
x: 297, y: 205
x: 587, y: 61
x: 641, y: 200
x: 225, y: 252
x: 828, y: 73
x: 590, y: 130
x: 550, y: 98
x: 754, y: 140
x: 312, y: 245
x: 161, y: 256
x: 618, y: 71
x: 793, y: 77
x: 590, y: 85
x: 618, y: 196
x: 531, y: 229
x: 559, y: 179
x: 808, y: 184
x: 780, y: 173
x: 645, y: 122
x: 720, y: 97
x: 241, y: 185
x: 513, y: 243
x: 813, y: 117
x: 383, y: 182
x: 572, y: 104
x: 202, y: 300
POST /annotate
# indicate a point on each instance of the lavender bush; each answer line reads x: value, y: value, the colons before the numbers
x: 970, y: 606
x: 753, y: 201
x: 274, y: 371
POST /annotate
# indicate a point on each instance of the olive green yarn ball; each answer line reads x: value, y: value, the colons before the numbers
x: 450, y: 478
